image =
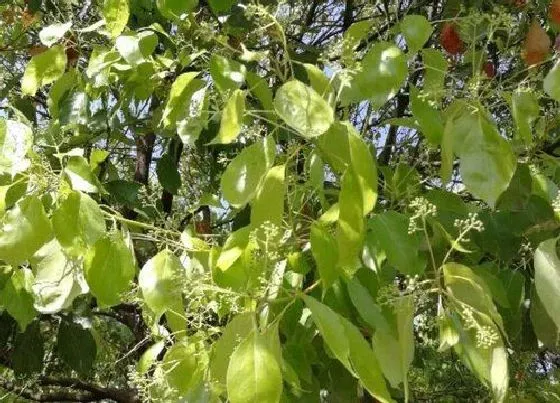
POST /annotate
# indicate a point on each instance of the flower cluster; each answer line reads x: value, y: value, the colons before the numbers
x: 471, y: 223
x: 422, y: 209
x: 485, y: 335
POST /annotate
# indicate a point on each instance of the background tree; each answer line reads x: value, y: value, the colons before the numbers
x: 265, y: 201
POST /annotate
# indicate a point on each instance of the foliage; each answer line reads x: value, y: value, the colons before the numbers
x: 279, y: 201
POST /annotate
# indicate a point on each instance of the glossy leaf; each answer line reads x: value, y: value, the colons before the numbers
x: 58, y: 279
x: 435, y: 68
x: 182, y: 369
x: 160, y: 282
x: 343, y: 147
x: 551, y: 83
x: 325, y: 252
x: 390, y: 230
x: 383, y: 72
x: 228, y: 75
x: 547, y: 278
x: 349, y: 347
x: 487, y: 159
x: 416, y: 30
x: 53, y: 33
x: 15, y: 142
x: 268, y: 206
x: 243, y: 175
x: 234, y: 333
x: 23, y: 230
x: 78, y: 222
x: 233, y: 248
x: 136, y: 48
x: 116, y: 13
x: 43, y: 69
x: 80, y: 175
x: 253, y: 373
x: 17, y: 299
x: 109, y: 269
x: 232, y: 118
x: 525, y: 110
x: 351, y: 228
x: 303, y: 109
x: 429, y: 118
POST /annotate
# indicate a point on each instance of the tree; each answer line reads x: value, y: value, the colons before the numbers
x: 265, y: 201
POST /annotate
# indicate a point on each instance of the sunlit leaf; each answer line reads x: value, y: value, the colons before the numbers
x: 43, y: 69
x: 116, y: 13
x: 23, y: 230
x: 232, y: 118
x: 303, y: 109
x: 109, y: 269
x: 253, y: 373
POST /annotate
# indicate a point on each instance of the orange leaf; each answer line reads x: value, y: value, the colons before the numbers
x: 537, y: 44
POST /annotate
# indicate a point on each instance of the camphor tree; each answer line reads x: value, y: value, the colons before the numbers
x: 265, y: 201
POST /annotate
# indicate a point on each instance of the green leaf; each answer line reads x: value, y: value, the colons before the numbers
x: 303, y: 109
x: 23, y: 230
x: 234, y: 333
x: 16, y: 297
x: 383, y: 72
x: 253, y: 373
x: 16, y: 140
x: 161, y: 282
x: 472, y: 299
x: 243, y: 175
x: 176, y: 9
x: 232, y: 118
x: 325, y: 252
x: 544, y: 327
x: 116, y: 13
x: 525, y: 110
x: 43, y: 69
x: 349, y: 347
x: 365, y: 305
x: 80, y: 175
x: 352, y: 38
x: 233, y: 248
x: 227, y: 74
x: 416, y: 30
x: 390, y: 230
x: 78, y: 223
x: 149, y: 357
x: 435, y: 70
x: 551, y: 83
x: 179, y: 98
x: 221, y: 6
x: 259, y: 88
x: 547, y: 278
x: 167, y: 174
x: 76, y: 346
x: 136, y: 48
x: 51, y: 34
x: 343, y: 147
x: 74, y: 108
x: 124, y: 192
x: 394, y: 345
x: 429, y: 118
x: 268, y: 205
x: 28, y: 353
x: 487, y: 161
x: 471, y: 291
x: 58, y: 279
x: 319, y: 82
x: 350, y: 231
x: 109, y: 269
x: 182, y: 369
